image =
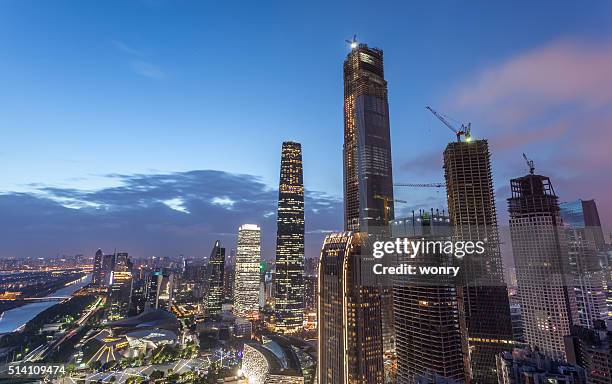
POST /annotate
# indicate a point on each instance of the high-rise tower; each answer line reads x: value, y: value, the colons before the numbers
x: 541, y: 256
x: 482, y: 292
x: 289, y: 276
x: 350, y: 339
x: 97, y: 268
x: 368, y: 183
x: 246, y: 280
x: 431, y: 345
x: 213, y: 281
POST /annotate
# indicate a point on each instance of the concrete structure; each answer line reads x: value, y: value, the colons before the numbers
x: 591, y: 349
x: 524, y: 366
x: 482, y: 290
x: 542, y: 266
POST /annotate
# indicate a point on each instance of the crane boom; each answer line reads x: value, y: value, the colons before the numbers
x: 463, y: 131
x: 530, y: 164
x: 421, y: 185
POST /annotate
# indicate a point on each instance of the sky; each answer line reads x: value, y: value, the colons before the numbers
x: 155, y: 127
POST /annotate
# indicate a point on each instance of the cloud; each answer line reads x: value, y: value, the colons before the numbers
x: 553, y: 102
x: 147, y: 69
x: 157, y: 214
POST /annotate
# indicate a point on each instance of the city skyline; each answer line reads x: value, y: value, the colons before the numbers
x: 166, y: 186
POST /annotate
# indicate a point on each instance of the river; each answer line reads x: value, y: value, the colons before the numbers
x: 12, y: 319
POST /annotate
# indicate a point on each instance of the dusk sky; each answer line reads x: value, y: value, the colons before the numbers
x: 155, y: 127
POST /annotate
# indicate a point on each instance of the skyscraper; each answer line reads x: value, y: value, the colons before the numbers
x: 482, y: 291
x: 431, y: 345
x: 246, y: 280
x: 541, y: 257
x: 368, y: 183
x: 368, y: 176
x: 587, y: 265
x: 213, y: 292
x: 119, y: 287
x: 289, y: 276
x: 350, y: 340
x: 96, y: 276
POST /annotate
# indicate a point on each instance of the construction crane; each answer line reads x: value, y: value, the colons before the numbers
x: 463, y: 131
x: 529, y: 164
x: 421, y: 185
x: 386, y: 200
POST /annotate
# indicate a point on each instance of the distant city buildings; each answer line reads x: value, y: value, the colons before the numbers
x: 591, y: 349
x: 542, y: 267
x: 96, y: 276
x: 524, y: 366
x: 247, y: 278
x: 482, y: 290
x: 289, y: 275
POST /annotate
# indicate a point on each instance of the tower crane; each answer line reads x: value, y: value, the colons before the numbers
x: 421, y: 185
x: 529, y: 164
x: 463, y: 131
x: 386, y: 200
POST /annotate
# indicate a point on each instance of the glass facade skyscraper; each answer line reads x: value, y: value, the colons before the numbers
x: 289, y: 275
x: 368, y: 182
x: 213, y: 281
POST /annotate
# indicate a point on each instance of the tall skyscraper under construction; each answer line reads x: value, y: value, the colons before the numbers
x: 349, y: 323
x: 430, y: 342
x: 482, y: 291
x: 541, y: 257
x: 289, y: 275
x: 368, y: 182
x: 247, y: 278
x: 213, y: 280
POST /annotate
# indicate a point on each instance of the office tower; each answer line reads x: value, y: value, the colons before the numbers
x: 368, y: 183
x: 368, y: 176
x: 160, y: 289
x: 482, y: 291
x: 542, y: 265
x: 588, y: 261
x: 228, y: 276
x: 119, y: 295
x: 430, y: 342
x: 524, y: 366
x: 591, y: 349
x: 213, y: 293
x: 289, y: 276
x: 108, y: 264
x: 350, y: 342
x: 246, y: 281
x: 96, y: 276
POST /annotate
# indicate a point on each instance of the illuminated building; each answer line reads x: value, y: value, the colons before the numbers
x: 213, y: 292
x: 368, y: 175
x: 160, y: 289
x: 247, y: 275
x: 587, y: 260
x: 119, y: 294
x: 350, y: 340
x: 430, y: 344
x: 310, y: 293
x: 482, y: 290
x: 96, y: 276
x: 541, y: 257
x: 289, y: 275
x: 367, y: 143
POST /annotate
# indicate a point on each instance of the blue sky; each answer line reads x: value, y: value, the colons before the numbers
x: 92, y: 89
